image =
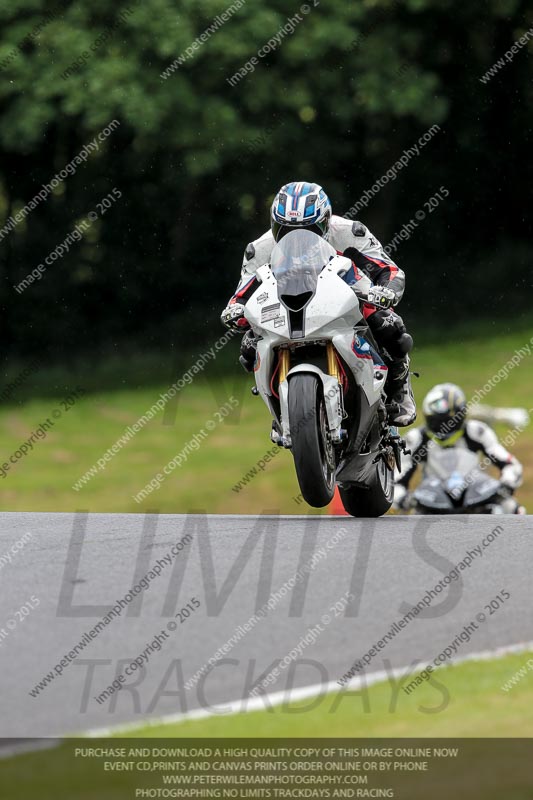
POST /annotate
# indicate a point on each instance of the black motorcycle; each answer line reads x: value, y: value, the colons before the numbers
x: 455, y: 484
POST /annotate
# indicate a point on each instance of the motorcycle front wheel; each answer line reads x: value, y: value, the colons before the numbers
x: 314, y: 456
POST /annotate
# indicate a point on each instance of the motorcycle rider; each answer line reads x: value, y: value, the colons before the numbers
x: 300, y: 205
x: 444, y: 409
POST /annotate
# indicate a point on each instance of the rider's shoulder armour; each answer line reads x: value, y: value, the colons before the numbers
x: 478, y: 431
x: 258, y: 253
x: 358, y: 229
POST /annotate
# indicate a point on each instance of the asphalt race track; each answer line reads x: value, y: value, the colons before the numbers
x: 74, y: 567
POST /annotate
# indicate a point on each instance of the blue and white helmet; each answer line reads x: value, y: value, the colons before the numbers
x: 300, y: 205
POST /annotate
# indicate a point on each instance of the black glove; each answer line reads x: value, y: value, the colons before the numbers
x: 248, y: 351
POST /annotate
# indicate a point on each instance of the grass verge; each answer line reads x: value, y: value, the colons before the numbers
x: 461, y: 701
x: 224, y: 474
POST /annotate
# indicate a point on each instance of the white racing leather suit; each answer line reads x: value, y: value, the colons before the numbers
x: 478, y: 437
x: 354, y: 241
x: 351, y: 239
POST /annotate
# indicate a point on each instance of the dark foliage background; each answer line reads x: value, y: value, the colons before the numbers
x: 198, y: 161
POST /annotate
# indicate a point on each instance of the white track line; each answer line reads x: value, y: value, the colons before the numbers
x: 266, y: 701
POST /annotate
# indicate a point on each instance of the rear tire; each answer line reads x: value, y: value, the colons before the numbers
x: 374, y: 501
x: 314, y: 456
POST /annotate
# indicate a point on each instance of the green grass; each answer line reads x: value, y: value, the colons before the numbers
x: 117, y: 394
x: 42, y: 481
x: 457, y: 702
x: 463, y: 701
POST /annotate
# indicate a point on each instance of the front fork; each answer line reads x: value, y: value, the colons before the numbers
x: 285, y: 363
x: 333, y: 365
x: 334, y: 375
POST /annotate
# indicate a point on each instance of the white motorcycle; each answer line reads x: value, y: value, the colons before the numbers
x: 319, y: 371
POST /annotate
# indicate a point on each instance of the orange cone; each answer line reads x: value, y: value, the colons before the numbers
x: 336, y: 507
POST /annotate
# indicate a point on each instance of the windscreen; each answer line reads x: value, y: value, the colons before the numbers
x: 297, y: 261
x: 444, y: 461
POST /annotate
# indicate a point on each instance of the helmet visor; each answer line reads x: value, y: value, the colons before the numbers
x: 443, y: 426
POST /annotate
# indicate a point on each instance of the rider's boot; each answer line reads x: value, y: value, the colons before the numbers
x: 400, y: 393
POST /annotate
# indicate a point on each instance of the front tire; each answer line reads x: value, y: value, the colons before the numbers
x: 374, y: 501
x: 314, y: 456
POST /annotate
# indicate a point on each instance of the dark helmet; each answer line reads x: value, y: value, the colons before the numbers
x: 300, y: 205
x: 444, y: 408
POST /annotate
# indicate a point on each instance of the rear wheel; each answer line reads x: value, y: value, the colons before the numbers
x: 374, y: 501
x: 314, y: 456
